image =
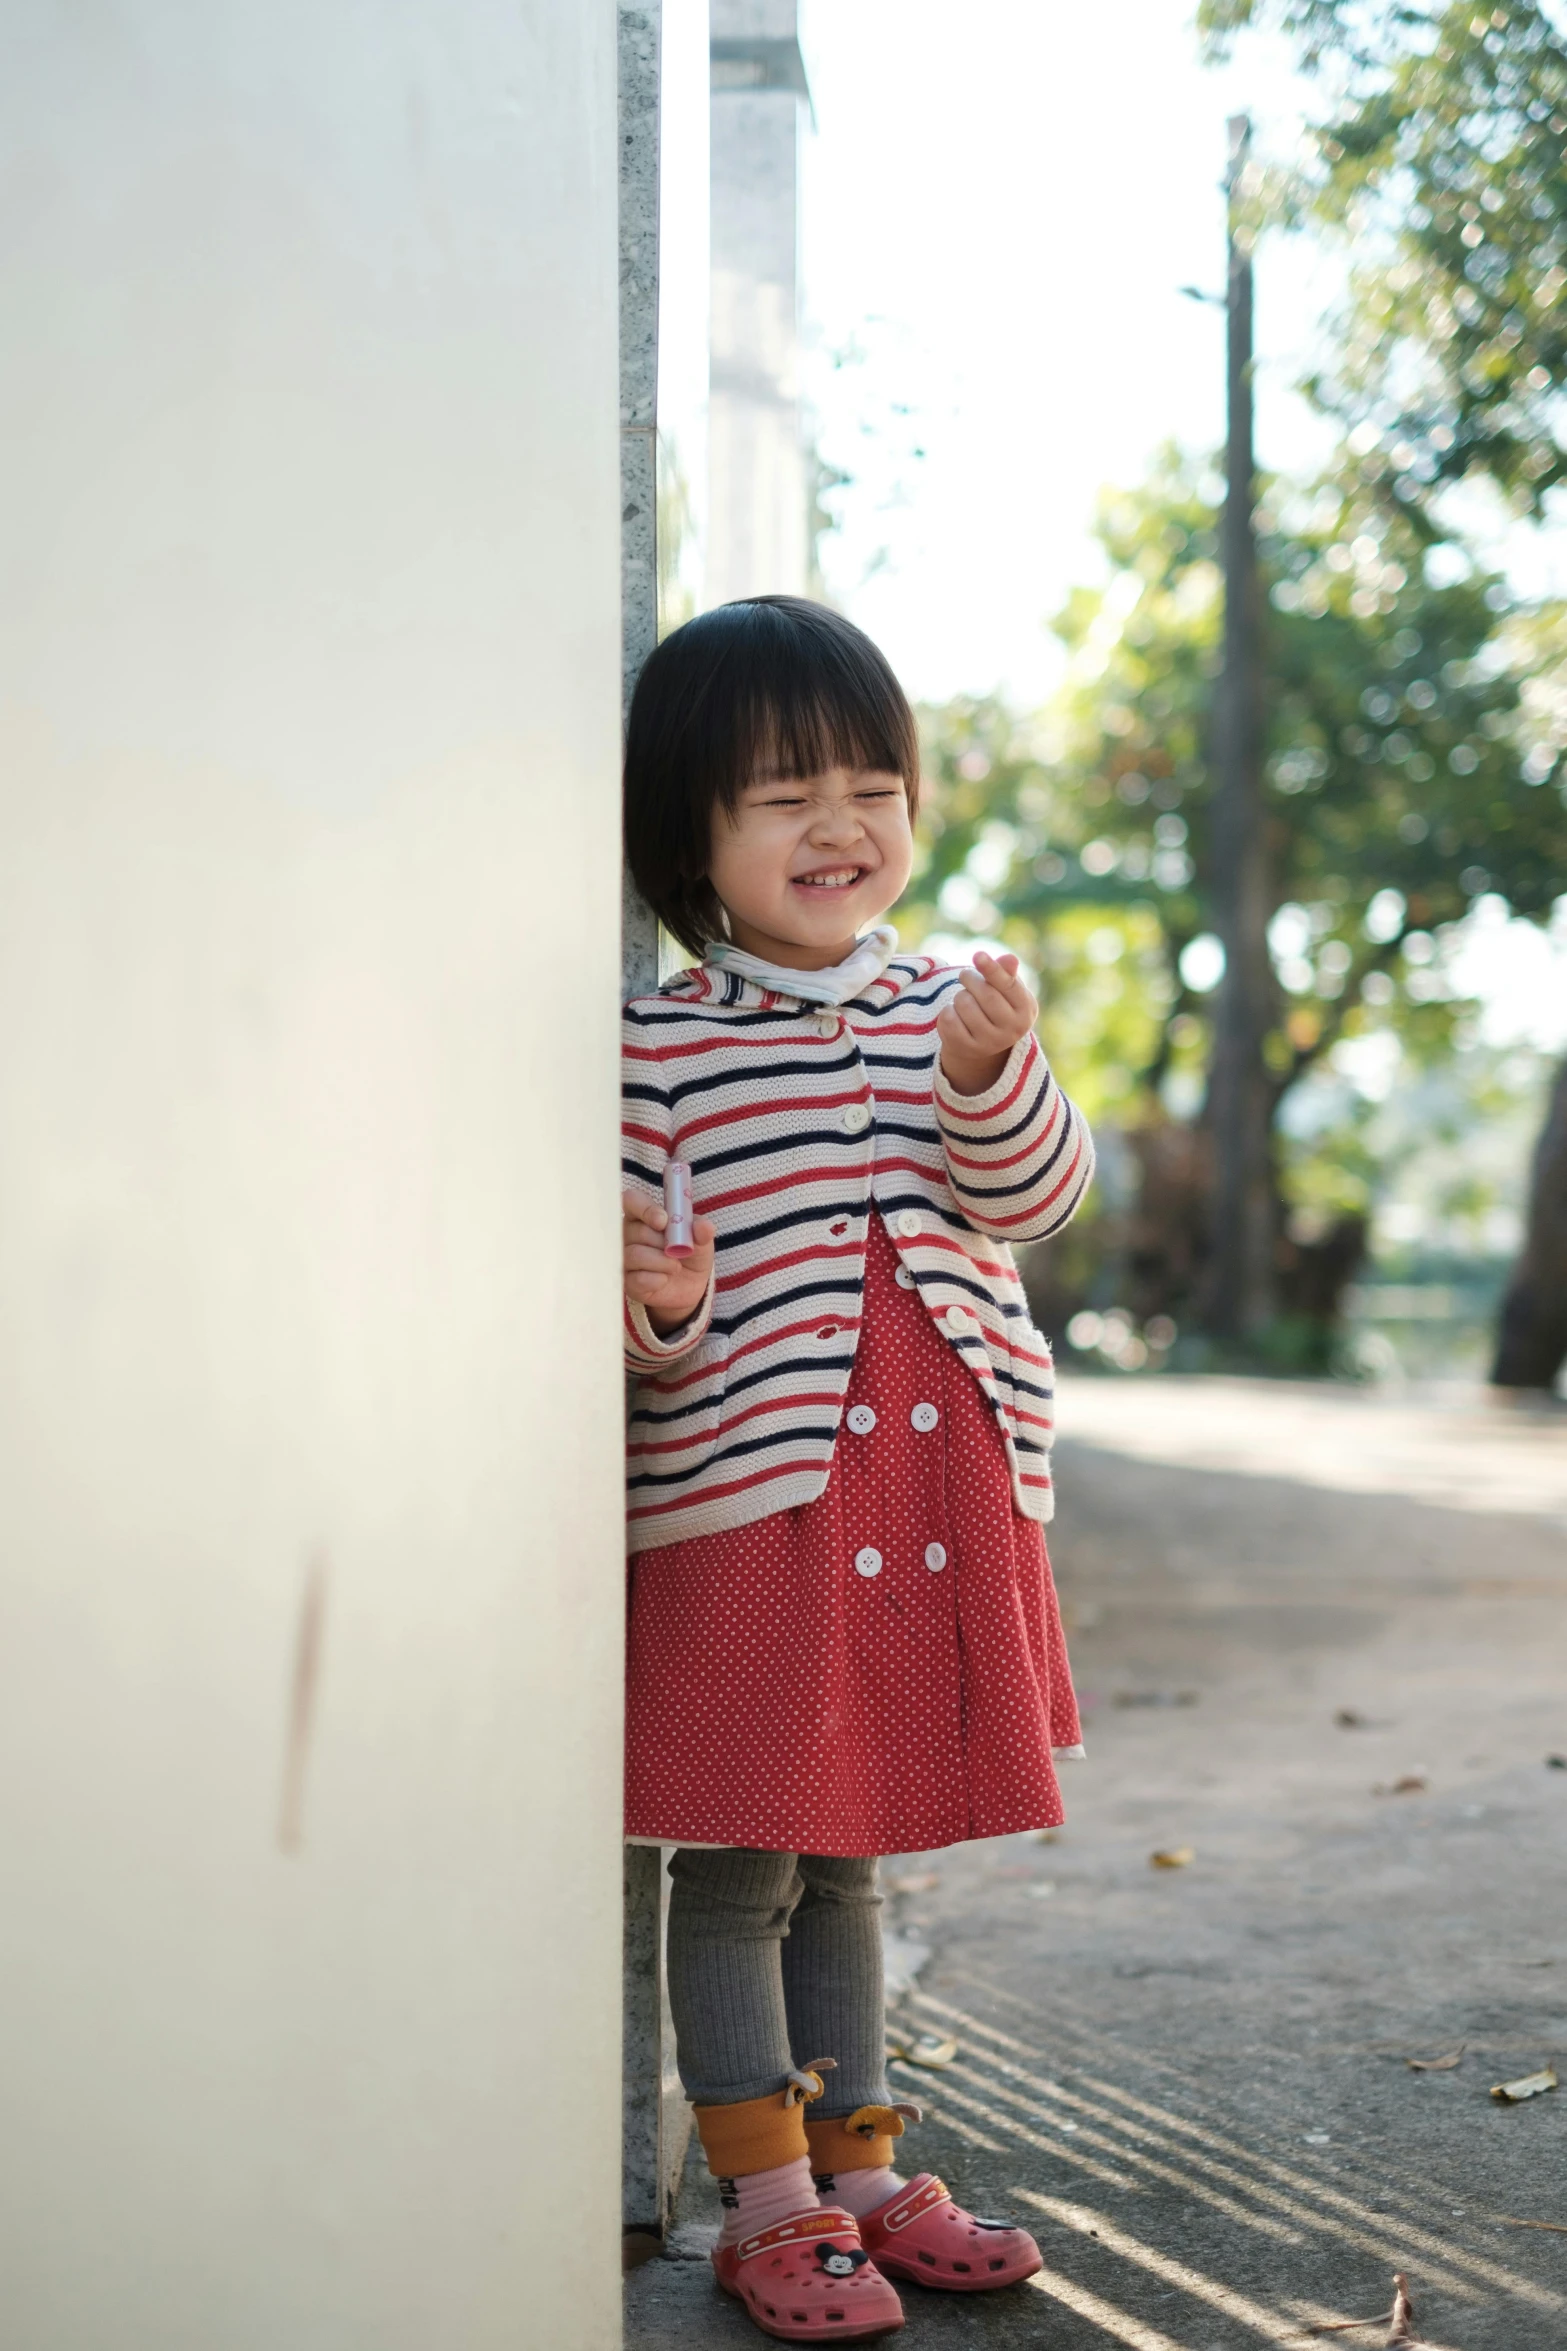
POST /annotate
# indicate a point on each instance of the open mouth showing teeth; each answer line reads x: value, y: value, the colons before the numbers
x: 844, y: 878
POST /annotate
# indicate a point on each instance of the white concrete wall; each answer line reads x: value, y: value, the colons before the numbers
x: 758, y: 537
x: 308, y: 1281
x: 684, y: 304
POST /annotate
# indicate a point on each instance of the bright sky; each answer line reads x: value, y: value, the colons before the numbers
x: 1000, y: 204
x: 999, y: 208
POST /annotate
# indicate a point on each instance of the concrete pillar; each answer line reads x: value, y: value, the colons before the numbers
x: 657, y: 2118
x: 310, y: 1523
x: 758, y: 488
x: 638, y: 70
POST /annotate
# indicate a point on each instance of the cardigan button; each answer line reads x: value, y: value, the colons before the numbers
x: 861, y: 1419
x: 828, y: 1023
x: 908, y: 1224
x: 959, y: 1322
x: 935, y: 1557
x: 867, y: 1562
x: 856, y: 1119
x: 903, y: 1278
x: 924, y: 1417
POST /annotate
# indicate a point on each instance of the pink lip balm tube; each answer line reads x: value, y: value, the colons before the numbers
x: 679, y: 1236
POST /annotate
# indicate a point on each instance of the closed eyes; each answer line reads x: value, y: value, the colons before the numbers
x: 798, y: 799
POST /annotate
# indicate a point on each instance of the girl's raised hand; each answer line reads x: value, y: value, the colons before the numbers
x: 983, y: 1022
x: 671, y: 1288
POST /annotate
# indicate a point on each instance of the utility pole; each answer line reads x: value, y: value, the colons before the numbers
x: 1239, y: 1292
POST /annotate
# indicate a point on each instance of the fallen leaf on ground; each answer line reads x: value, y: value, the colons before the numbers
x: 926, y: 2049
x: 1409, y: 1783
x: 920, y: 1883
x: 1403, y: 2314
x: 1155, y: 1698
x: 1349, y: 1718
x: 1437, y: 2064
x: 1048, y: 1837
x: 1556, y: 1763
x: 1400, y: 2320
x: 1528, y: 2085
x: 1558, y: 2228
x: 1172, y: 1857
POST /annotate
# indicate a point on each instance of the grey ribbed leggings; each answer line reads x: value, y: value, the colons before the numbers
x: 775, y: 1958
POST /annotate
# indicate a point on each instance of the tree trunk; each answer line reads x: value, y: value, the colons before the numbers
x: 1239, y: 1298
x: 1531, y: 1340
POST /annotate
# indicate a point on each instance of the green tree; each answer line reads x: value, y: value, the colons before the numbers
x: 1440, y: 161
x: 1397, y: 793
x: 1440, y: 151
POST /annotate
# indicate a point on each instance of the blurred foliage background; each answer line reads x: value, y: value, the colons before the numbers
x: 1416, y: 729
x: 1413, y: 778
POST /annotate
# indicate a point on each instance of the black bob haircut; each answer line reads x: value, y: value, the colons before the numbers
x: 770, y: 684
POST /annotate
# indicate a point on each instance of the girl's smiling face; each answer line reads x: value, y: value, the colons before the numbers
x: 803, y: 864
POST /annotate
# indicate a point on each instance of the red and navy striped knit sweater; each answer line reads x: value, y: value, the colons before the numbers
x: 799, y: 1122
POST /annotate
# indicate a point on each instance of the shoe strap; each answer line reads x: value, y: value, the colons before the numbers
x: 921, y: 2195
x: 801, y: 2228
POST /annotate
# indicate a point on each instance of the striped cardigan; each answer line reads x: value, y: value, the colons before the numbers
x: 798, y: 1120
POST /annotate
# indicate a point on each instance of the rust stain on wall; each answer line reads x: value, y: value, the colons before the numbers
x: 304, y: 1684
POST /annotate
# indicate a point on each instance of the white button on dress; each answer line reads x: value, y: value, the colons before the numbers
x: 924, y: 1417
x: 867, y: 1562
x: 861, y: 1419
x: 856, y: 1119
x: 903, y: 1278
x: 935, y: 1557
x: 908, y: 1223
x: 959, y: 1322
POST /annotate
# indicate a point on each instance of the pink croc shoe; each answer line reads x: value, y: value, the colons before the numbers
x: 920, y: 2233
x: 809, y: 2279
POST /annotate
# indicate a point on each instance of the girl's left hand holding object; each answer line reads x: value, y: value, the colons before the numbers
x: 983, y: 1021
x: 670, y: 1288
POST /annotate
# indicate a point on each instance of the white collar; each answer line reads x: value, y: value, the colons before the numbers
x: 838, y: 985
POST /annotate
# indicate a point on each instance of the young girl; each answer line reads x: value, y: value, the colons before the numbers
x: 843, y: 1637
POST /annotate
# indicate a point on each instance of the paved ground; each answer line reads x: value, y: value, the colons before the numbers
x: 1193, y: 2082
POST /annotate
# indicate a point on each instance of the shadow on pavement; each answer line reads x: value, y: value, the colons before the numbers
x: 1193, y: 2082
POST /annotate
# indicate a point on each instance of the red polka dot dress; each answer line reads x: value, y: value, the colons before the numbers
x: 881, y: 1671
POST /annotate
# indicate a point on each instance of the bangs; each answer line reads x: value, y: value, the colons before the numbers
x: 790, y: 709
x: 770, y: 686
